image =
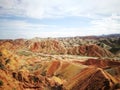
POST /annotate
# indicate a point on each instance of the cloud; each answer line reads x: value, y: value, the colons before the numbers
x: 59, y: 8
x: 104, y: 18
x: 24, y: 29
x: 21, y: 25
x: 107, y: 25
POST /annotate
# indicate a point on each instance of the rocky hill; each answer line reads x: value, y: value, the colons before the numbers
x: 73, y: 63
x: 89, y: 50
x: 109, y: 42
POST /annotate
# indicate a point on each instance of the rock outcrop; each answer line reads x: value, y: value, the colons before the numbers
x: 48, y: 47
x: 89, y: 50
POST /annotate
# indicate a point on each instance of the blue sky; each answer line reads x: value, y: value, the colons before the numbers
x: 58, y: 18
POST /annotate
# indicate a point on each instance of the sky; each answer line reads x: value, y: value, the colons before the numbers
x: 58, y: 18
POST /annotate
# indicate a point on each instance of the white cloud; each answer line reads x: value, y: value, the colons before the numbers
x: 59, y: 8
x: 62, y: 8
x: 105, y: 16
x: 24, y: 29
x: 107, y: 25
x: 21, y: 25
